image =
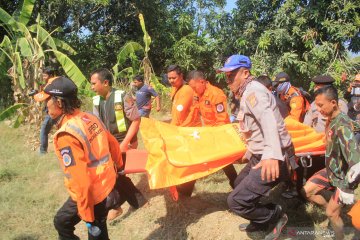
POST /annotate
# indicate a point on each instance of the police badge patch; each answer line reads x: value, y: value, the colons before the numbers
x: 252, y: 100
x: 68, y: 158
x: 220, y: 107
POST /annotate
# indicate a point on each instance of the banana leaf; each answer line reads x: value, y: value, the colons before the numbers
x: 70, y: 68
x: 44, y: 36
x: 10, y: 111
x: 7, y: 47
x: 18, y: 121
x: 64, y: 46
x: 126, y: 50
x: 147, y: 38
x: 19, y: 70
x: 25, y: 47
x: 26, y: 11
x: 5, y: 17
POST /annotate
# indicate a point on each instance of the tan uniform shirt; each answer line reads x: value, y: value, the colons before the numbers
x: 261, y: 122
x: 316, y: 120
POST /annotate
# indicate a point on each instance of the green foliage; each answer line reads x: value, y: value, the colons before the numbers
x: 26, y: 49
x: 303, y: 38
x: 26, y: 11
x: 130, y: 54
x: 10, y: 111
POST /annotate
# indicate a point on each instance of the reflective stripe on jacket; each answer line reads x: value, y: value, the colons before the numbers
x: 99, y: 166
x: 118, y: 108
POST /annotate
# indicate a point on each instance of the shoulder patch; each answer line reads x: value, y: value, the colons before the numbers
x: 220, y: 107
x: 67, y: 157
x: 252, y: 100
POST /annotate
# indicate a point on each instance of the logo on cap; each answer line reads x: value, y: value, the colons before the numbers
x: 56, y: 91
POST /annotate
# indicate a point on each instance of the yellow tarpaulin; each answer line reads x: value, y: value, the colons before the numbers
x: 181, y: 154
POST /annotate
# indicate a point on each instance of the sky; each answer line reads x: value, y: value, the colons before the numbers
x: 230, y: 4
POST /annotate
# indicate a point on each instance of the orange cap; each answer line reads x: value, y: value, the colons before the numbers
x: 355, y: 215
x: 41, y: 96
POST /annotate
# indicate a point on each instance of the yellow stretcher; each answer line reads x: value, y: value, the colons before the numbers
x: 176, y: 155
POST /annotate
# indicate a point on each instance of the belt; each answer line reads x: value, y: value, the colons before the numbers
x: 289, y: 153
x: 283, y: 150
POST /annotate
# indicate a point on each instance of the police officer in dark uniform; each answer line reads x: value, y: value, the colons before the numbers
x: 267, y: 141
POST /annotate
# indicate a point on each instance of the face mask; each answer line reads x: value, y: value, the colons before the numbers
x: 283, y: 88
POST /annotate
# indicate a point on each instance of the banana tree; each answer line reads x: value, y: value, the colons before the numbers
x: 129, y: 53
x: 27, y: 48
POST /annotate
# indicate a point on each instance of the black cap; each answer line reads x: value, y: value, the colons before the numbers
x: 282, y: 77
x: 61, y: 87
x: 323, y: 79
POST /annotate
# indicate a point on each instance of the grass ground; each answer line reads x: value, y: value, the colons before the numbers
x: 31, y: 191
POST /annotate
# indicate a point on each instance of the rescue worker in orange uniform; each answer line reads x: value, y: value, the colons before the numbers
x: 297, y: 103
x: 184, y: 113
x: 88, y: 155
x: 212, y: 105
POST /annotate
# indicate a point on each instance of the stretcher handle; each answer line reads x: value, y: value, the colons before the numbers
x: 304, y: 163
x: 309, y: 154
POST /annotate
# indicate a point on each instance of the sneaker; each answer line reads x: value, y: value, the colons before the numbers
x: 252, y: 227
x: 275, y: 233
x: 114, y: 213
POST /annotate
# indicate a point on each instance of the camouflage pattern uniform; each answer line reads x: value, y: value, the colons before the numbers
x: 342, y: 151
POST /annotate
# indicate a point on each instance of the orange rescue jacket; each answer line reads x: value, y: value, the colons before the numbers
x: 85, y: 150
x: 297, y: 103
x: 213, y: 106
x: 184, y: 112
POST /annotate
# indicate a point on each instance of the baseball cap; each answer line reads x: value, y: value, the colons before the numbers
x: 41, y: 96
x: 59, y: 87
x: 282, y: 77
x: 234, y: 62
x: 323, y: 79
